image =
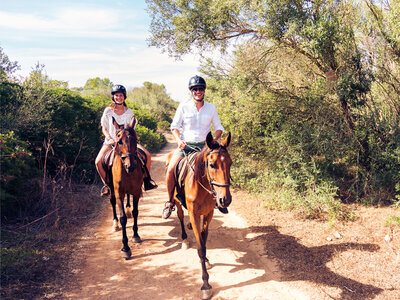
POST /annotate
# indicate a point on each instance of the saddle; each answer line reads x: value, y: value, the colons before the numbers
x: 108, y: 159
x: 180, y: 173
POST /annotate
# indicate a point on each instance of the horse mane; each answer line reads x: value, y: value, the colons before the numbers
x: 131, y: 131
x: 199, y: 163
x: 199, y: 168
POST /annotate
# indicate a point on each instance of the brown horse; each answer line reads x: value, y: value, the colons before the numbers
x: 127, y: 178
x: 205, y: 186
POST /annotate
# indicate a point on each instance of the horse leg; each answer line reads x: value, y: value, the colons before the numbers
x: 135, y: 213
x: 185, y: 243
x: 128, y: 209
x: 206, y: 289
x: 115, y: 226
x: 204, y: 233
x: 123, y: 220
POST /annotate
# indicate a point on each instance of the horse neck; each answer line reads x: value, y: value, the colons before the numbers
x: 200, y: 167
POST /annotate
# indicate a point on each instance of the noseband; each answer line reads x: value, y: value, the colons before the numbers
x: 211, y: 181
x: 129, y: 155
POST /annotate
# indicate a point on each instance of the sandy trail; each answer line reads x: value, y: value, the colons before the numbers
x: 160, y: 269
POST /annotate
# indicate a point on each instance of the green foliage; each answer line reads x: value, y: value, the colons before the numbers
x: 305, y: 95
x: 154, y: 99
x: 95, y: 83
x: 98, y: 90
x: 16, y: 261
x: 393, y: 220
x: 149, y: 139
x: 18, y: 167
x: 144, y: 118
x: 7, y: 67
x: 164, y: 125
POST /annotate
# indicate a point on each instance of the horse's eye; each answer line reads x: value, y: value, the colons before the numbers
x: 213, y: 166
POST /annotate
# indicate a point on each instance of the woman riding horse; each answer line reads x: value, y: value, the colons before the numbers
x: 123, y: 115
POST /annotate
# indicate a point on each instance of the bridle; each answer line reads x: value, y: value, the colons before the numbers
x: 129, y: 154
x: 211, y: 181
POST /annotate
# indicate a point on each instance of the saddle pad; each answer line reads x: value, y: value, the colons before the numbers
x: 182, y: 168
x: 106, y: 162
x: 142, y: 156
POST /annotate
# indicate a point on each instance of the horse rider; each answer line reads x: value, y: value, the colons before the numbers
x: 194, y: 117
x: 122, y: 115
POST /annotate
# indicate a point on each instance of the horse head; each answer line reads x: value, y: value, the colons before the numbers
x: 218, y: 169
x: 126, y: 145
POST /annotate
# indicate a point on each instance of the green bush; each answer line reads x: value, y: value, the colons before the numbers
x: 164, y: 125
x: 149, y: 139
x: 18, y: 170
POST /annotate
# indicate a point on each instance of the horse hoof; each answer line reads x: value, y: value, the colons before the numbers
x: 126, y: 254
x: 185, y: 244
x: 115, y: 226
x: 136, y: 239
x: 206, y: 294
x: 128, y: 213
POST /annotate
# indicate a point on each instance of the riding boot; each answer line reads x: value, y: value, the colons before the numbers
x: 149, y: 184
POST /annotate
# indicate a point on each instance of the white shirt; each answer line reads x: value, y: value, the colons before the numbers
x: 196, y: 124
x: 107, y: 123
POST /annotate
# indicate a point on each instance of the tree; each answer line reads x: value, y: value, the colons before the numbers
x: 97, y: 83
x: 154, y: 98
x: 7, y: 67
x: 287, y: 52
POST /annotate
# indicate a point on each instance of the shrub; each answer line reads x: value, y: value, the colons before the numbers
x: 149, y: 139
x: 18, y: 167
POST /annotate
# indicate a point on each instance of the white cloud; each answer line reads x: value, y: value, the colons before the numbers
x: 71, y: 22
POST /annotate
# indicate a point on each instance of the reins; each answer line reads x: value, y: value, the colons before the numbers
x: 211, y: 181
x: 123, y: 156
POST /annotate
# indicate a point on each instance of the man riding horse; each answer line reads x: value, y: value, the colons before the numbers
x: 194, y: 118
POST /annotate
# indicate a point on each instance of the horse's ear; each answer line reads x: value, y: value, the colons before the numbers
x: 227, y: 140
x: 116, y: 125
x: 209, y: 140
x: 133, y: 123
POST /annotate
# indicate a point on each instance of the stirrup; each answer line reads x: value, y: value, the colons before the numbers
x: 105, y: 191
x: 168, y: 209
x: 149, y: 184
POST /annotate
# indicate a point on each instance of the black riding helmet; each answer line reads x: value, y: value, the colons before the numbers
x: 197, y: 81
x: 118, y: 88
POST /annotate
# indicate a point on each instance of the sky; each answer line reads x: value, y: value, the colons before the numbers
x: 78, y: 40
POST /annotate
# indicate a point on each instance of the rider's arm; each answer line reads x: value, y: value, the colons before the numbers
x: 216, y: 122
x: 176, y: 125
x: 181, y: 143
x: 104, y: 125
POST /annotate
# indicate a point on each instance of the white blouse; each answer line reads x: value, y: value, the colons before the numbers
x: 107, y: 123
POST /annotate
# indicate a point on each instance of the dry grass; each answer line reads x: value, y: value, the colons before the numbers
x: 34, y: 254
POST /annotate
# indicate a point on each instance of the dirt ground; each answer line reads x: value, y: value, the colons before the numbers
x: 255, y: 254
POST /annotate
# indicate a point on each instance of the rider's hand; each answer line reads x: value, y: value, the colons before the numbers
x: 110, y: 141
x: 181, y: 144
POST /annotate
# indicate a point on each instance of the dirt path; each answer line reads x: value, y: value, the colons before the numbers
x: 160, y: 269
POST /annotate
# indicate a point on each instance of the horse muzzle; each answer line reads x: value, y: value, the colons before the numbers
x: 129, y: 163
x: 131, y: 167
x: 224, y: 199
